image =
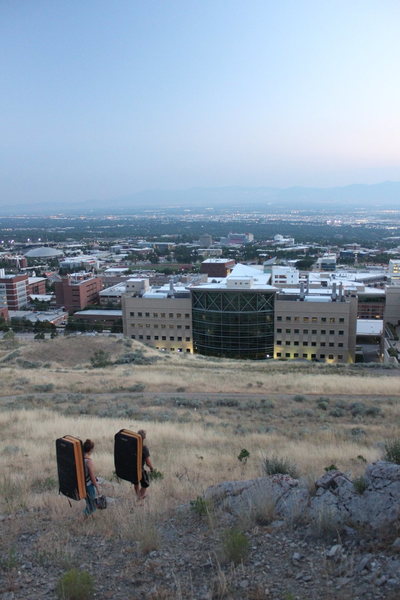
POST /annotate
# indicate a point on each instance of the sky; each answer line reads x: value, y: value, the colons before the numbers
x: 104, y: 99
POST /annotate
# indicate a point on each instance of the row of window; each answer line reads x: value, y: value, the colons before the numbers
x: 311, y: 319
x: 313, y: 331
x: 314, y: 344
x: 162, y: 315
x: 312, y: 356
x: 156, y: 326
x: 171, y: 338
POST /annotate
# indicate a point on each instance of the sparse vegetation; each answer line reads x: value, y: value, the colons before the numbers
x: 75, y: 585
x: 235, y: 546
x: 392, y: 451
x: 360, y: 484
x: 275, y: 465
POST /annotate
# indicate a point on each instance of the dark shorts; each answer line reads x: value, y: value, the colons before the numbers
x: 145, y: 481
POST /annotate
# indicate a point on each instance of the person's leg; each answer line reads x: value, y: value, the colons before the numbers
x: 137, y: 489
x: 90, y: 503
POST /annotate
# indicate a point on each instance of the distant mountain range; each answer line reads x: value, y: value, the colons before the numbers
x: 350, y: 197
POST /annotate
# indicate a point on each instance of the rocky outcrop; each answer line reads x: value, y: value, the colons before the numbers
x: 373, y: 501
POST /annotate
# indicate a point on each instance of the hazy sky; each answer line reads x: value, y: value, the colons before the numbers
x: 101, y: 99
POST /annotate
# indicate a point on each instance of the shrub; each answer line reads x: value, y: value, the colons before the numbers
x: 235, y: 546
x: 100, y: 359
x: 392, y: 451
x: 200, y: 506
x: 299, y: 398
x: 360, y: 485
x: 137, y: 387
x: 156, y: 475
x: 336, y: 412
x: 331, y: 467
x: 243, y: 456
x: 275, y: 465
x: 75, y: 585
x: 44, y: 387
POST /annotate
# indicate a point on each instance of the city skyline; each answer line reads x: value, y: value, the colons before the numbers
x: 102, y: 102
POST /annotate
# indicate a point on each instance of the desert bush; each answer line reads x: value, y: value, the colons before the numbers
x: 275, y: 465
x: 299, y: 398
x: 137, y: 387
x: 137, y: 357
x: 230, y: 402
x: 243, y: 455
x: 337, y: 412
x: 75, y: 585
x: 235, y: 546
x: 200, y: 506
x: 100, y: 359
x: 360, y: 484
x: 44, y: 387
x: 392, y: 451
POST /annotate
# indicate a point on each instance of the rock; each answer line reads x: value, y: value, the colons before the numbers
x: 364, y: 563
x: 296, y: 557
x: 396, y: 544
x: 335, y: 551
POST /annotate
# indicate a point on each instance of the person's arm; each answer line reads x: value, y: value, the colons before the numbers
x: 91, y: 474
x: 148, y: 463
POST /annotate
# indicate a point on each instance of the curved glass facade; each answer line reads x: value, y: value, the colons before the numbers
x: 233, y: 324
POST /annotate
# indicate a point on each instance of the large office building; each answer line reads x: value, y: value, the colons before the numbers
x: 13, y: 289
x: 77, y: 291
x: 316, y: 326
x: 160, y: 317
x: 234, y: 318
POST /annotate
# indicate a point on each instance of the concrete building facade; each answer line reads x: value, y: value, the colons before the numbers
x: 312, y: 327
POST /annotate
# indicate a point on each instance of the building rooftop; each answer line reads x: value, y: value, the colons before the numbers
x: 254, y: 277
x: 95, y: 312
x: 369, y: 326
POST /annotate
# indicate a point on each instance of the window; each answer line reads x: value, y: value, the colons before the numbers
x: 140, y: 314
x: 313, y: 343
x: 163, y: 337
x: 322, y: 355
x: 140, y: 324
x: 155, y: 315
x: 147, y: 325
x: 156, y: 337
x: 331, y: 332
x: 187, y: 326
x: 287, y: 354
x: 330, y: 356
x: 163, y: 326
x: 305, y: 331
x: 287, y: 343
x: 296, y: 331
x: 140, y: 337
x: 279, y: 354
x: 295, y: 343
x: 296, y: 319
x: 155, y: 326
x: 340, y: 356
x: 305, y: 343
x: 314, y: 331
x: 178, y: 315
x: 341, y: 332
x: 171, y: 338
x: 288, y: 330
x: 187, y: 339
x: 313, y: 356
x: 296, y: 355
x: 132, y: 314
x: 341, y: 320
x: 163, y: 315
x: 340, y: 344
x: 179, y: 339
x: 323, y: 344
x: 171, y: 315
x: 187, y: 316
x: 279, y: 342
x: 332, y: 319
x: 148, y: 337
x: 288, y: 318
x: 305, y: 355
x: 146, y: 314
x: 323, y: 319
x: 306, y: 319
x: 323, y: 331
x: 279, y: 330
x: 279, y: 318
x: 132, y: 324
x: 179, y: 326
x: 331, y: 344
x: 133, y: 337
x: 314, y: 319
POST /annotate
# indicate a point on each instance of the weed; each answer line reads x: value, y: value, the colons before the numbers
x: 44, y: 387
x: 137, y: 387
x: 326, y: 525
x: 235, y: 546
x: 331, y: 467
x: 392, y: 451
x: 100, y: 359
x: 75, y: 585
x: 243, y: 456
x: 275, y: 465
x: 43, y: 485
x: 200, y: 506
x: 156, y: 475
x: 299, y: 398
x: 360, y: 484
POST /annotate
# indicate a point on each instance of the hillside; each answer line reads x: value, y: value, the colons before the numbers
x: 199, y: 415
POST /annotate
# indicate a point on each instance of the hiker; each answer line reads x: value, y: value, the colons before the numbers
x: 141, y: 488
x: 90, y: 479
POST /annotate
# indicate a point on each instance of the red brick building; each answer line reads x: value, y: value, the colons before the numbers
x: 77, y: 291
x: 36, y: 285
x: 217, y: 267
x: 13, y: 290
